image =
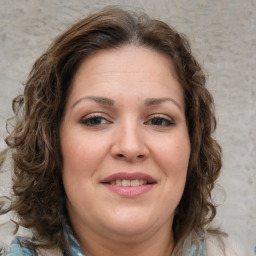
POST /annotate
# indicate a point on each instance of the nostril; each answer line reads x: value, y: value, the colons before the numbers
x: 120, y: 155
x: 140, y: 156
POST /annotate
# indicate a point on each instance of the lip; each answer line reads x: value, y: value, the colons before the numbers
x: 130, y: 191
x: 128, y: 176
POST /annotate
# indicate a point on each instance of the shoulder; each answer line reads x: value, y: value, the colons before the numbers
x: 225, y: 246
x: 16, y: 249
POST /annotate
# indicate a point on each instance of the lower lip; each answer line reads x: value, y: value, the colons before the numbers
x: 130, y: 191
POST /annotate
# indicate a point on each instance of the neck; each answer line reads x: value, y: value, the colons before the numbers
x: 142, y: 245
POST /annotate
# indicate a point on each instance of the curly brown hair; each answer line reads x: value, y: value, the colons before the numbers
x: 39, y: 196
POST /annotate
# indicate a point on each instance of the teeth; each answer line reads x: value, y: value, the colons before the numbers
x: 118, y: 182
x: 126, y: 183
x: 129, y: 183
x: 135, y: 183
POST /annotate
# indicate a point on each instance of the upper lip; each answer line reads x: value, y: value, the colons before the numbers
x: 129, y: 176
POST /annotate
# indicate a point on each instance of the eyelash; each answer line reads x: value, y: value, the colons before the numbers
x: 95, y: 119
x: 160, y: 118
x: 87, y: 121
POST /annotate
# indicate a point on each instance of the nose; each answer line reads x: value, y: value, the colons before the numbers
x: 130, y: 144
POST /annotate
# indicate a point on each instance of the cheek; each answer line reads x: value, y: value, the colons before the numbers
x: 173, y: 154
x: 80, y: 150
x: 79, y: 164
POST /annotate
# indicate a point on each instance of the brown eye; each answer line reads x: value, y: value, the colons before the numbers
x: 94, y: 120
x: 160, y: 121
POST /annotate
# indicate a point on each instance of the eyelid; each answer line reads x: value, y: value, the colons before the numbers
x: 94, y: 115
x: 163, y: 117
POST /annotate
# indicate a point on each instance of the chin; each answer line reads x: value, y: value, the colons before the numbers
x: 130, y: 230
x: 131, y: 223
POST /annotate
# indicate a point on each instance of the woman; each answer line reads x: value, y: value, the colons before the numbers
x: 112, y: 148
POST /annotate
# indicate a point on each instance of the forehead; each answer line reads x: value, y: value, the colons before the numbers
x: 134, y: 69
x: 127, y: 59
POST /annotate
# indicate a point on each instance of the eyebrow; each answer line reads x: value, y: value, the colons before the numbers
x: 100, y: 100
x: 157, y: 101
x: 109, y: 102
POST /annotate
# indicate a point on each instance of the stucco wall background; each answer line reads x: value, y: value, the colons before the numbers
x: 223, y: 37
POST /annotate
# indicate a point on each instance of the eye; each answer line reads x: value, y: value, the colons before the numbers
x: 94, y: 120
x: 159, y: 120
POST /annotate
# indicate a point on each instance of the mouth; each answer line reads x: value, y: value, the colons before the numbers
x: 129, y: 179
x: 129, y: 184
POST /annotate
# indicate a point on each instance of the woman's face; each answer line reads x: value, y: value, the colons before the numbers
x: 125, y: 144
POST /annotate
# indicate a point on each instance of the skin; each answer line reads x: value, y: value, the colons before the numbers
x: 99, y: 139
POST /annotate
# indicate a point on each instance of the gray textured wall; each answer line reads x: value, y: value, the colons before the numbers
x: 223, y: 36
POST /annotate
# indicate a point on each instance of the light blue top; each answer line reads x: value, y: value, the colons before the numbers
x: 16, y: 250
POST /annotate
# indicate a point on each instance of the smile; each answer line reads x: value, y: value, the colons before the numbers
x: 129, y: 184
x: 129, y: 179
